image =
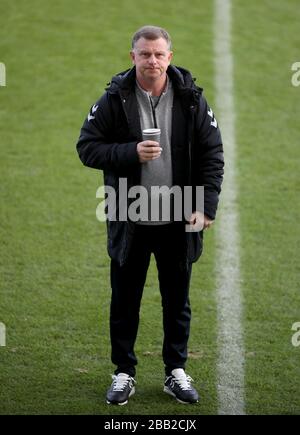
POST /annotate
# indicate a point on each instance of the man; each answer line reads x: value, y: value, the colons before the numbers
x: 153, y: 93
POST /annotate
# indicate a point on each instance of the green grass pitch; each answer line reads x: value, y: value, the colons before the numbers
x: 54, y: 268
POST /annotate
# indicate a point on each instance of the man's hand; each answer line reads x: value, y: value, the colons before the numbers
x: 199, y: 221
x: 148, y: 150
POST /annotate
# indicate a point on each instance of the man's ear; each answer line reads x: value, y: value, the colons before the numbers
x: 132, y: 56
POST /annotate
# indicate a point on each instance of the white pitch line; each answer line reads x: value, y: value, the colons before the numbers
x: 230, y: 368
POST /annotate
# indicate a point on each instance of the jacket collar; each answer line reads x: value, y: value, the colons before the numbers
x: 182, y: 80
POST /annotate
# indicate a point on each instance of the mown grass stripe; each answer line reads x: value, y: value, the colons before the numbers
x: 230, y: 368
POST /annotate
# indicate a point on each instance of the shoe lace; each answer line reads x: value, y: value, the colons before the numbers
x: 120, y: 382
x: 184, y: 382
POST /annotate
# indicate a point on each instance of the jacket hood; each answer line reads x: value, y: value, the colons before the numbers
x: 181, y: 78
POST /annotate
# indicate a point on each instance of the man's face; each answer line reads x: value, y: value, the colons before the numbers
x: 151, y: 58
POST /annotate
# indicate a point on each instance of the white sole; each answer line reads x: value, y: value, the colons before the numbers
x: 168, y: 391
x: 132, y: 392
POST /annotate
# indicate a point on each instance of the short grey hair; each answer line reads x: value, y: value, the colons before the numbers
x: 151, y: 33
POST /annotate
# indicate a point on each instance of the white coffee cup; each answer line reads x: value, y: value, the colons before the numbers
x: 152, y: 134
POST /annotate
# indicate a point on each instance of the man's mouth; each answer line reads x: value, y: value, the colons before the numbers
x: 153, y: 69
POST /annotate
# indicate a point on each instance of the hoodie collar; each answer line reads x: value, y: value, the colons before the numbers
x: 181, y: 80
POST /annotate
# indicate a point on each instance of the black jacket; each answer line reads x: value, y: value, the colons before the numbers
x: 109, y: 137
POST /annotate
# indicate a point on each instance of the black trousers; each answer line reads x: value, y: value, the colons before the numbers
x: 167, y: 243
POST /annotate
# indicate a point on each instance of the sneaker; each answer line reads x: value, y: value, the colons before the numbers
x: 121, y: 389
x: 179, y: 386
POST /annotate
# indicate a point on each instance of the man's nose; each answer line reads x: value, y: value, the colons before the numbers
x: 152, y: 59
